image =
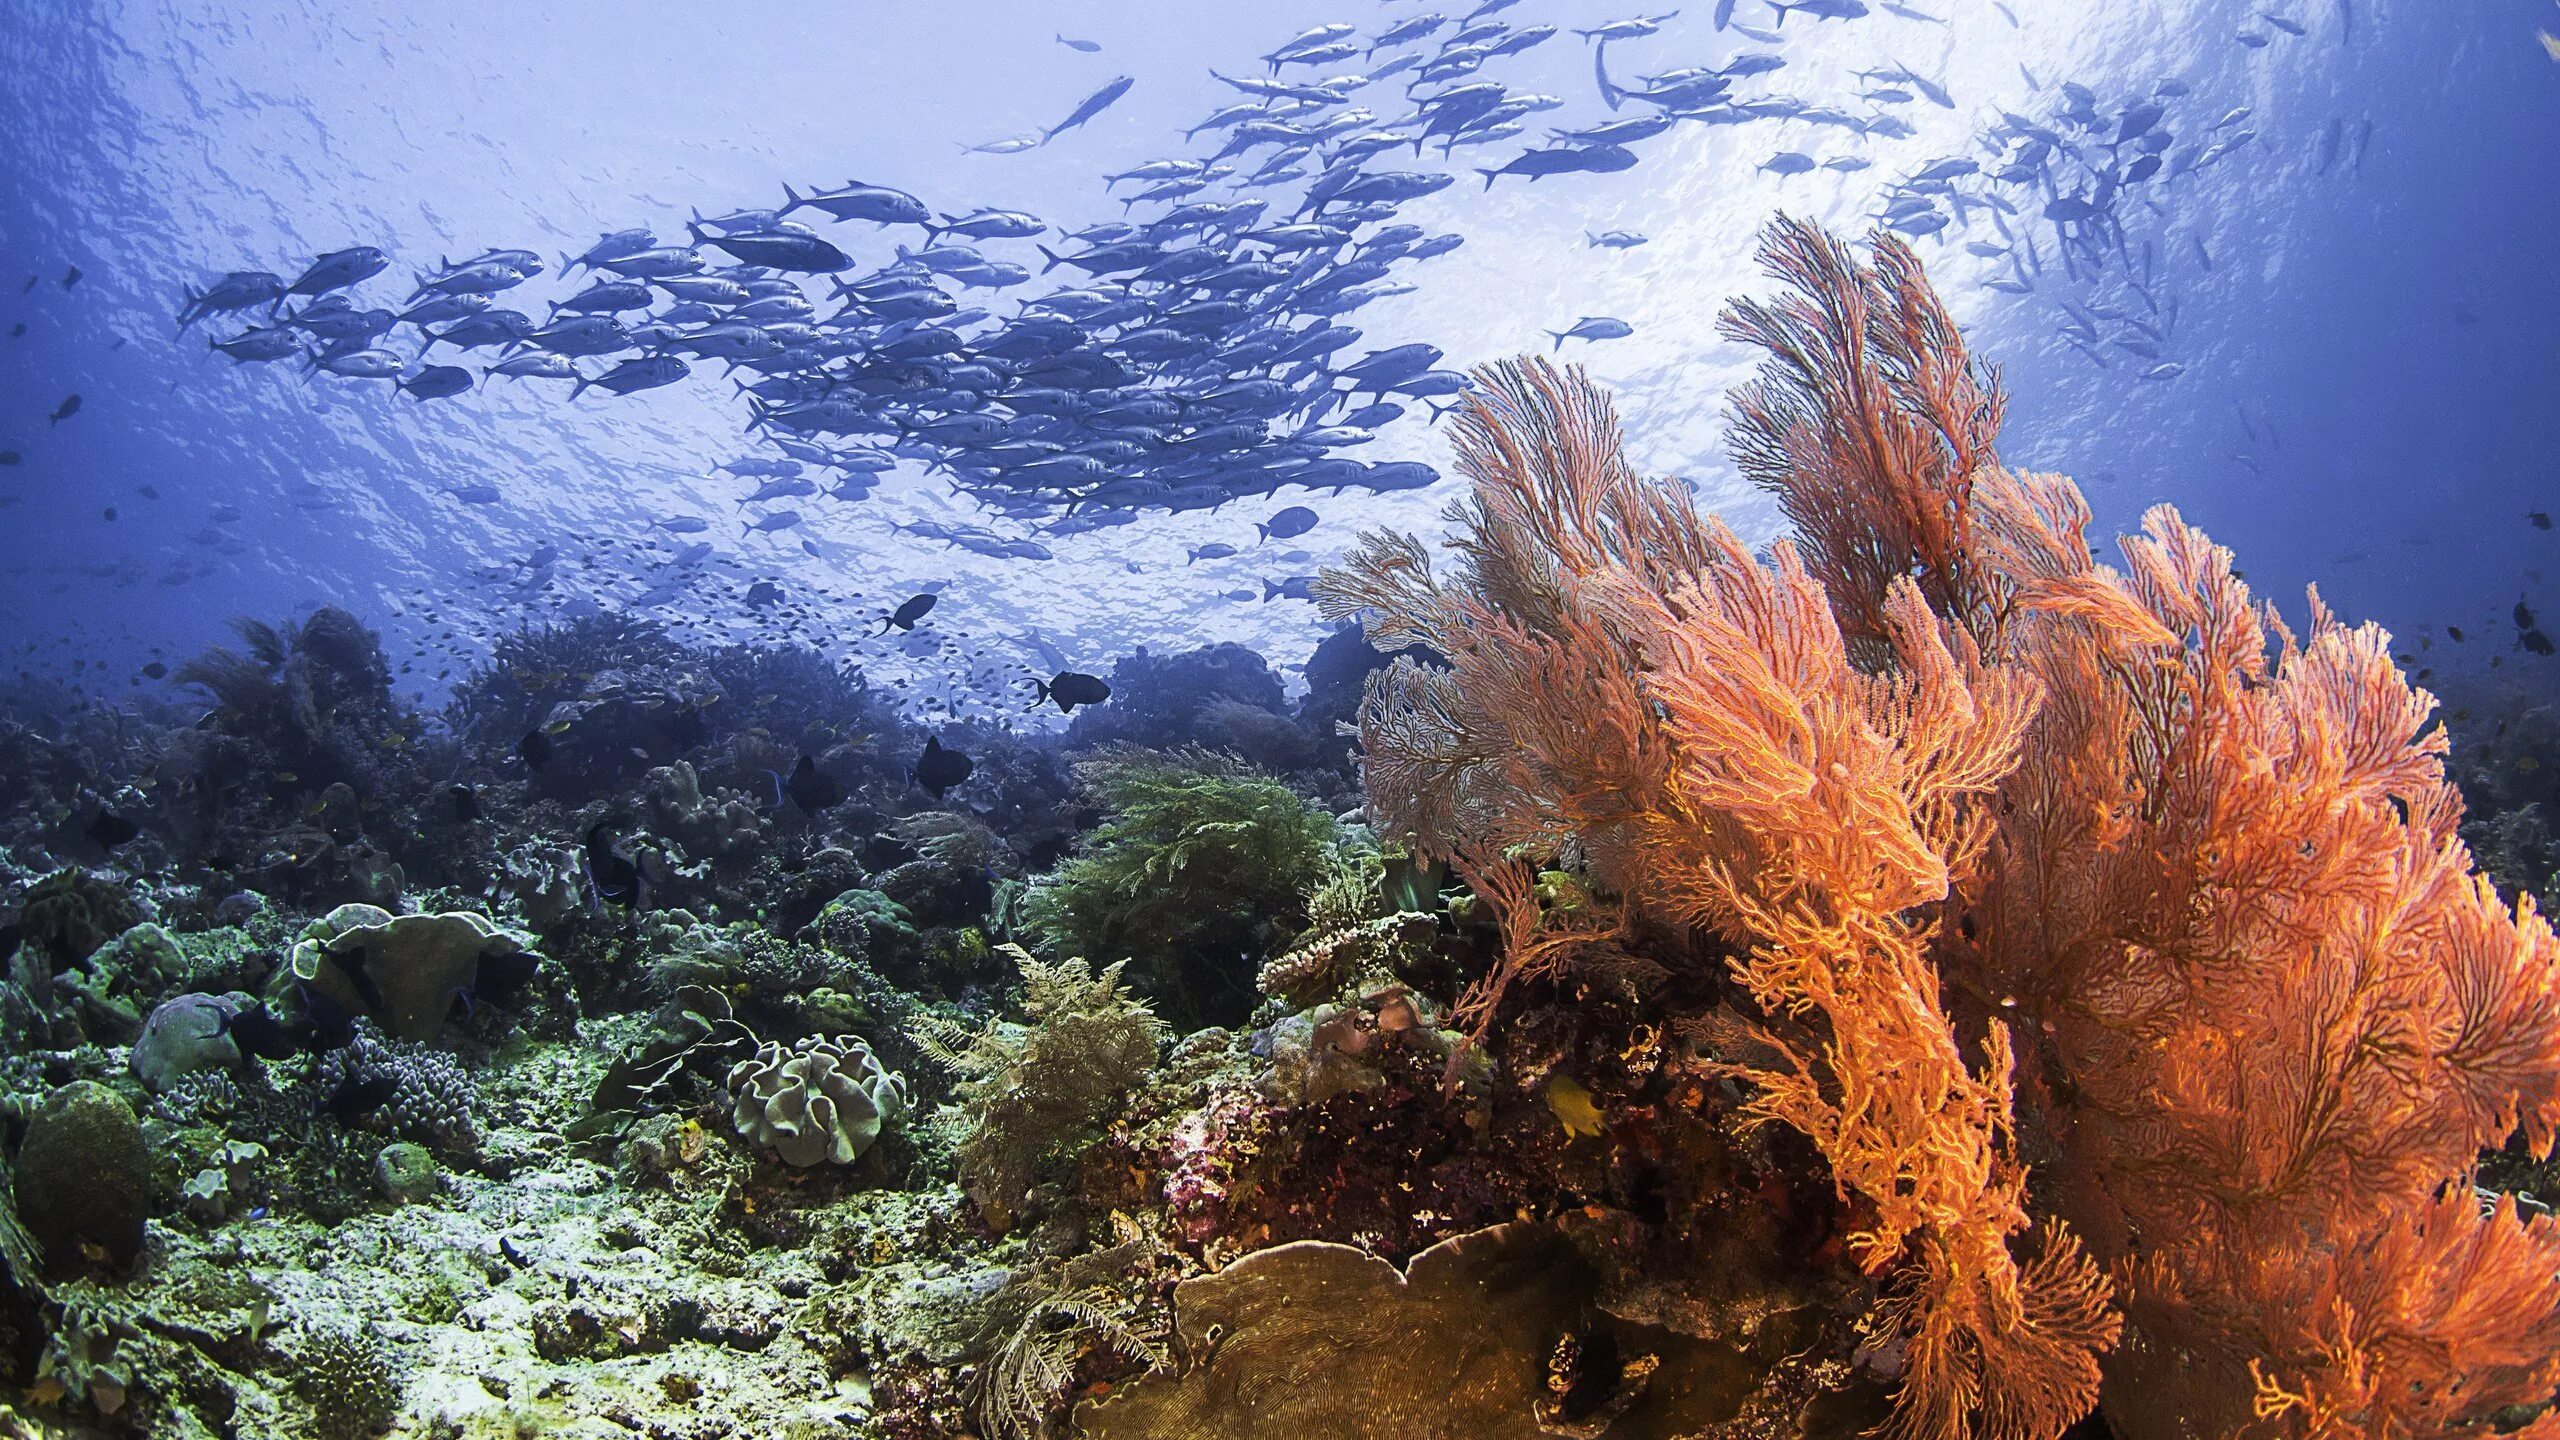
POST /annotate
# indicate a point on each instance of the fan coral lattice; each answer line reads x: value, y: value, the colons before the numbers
x: 1938, y: 772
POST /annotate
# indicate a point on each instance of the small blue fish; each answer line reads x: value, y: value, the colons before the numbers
x: 1093, y: 104
x: 1593, y: 327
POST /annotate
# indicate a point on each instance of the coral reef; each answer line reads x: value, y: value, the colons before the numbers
x: 1486, y: 1334
x: 1196, y: 859
x: 67, y: 915
x: 83, y: 1179
x: 406, y: 1090
x: 821, y: 1100
x: 1027, y: 1090
x: 187, y: 1034
x: 1915, y: 979
x: 1931, y: 788
x: 404, y: 970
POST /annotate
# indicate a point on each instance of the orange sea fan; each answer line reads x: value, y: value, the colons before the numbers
x: 2282, y: 1013
x: 1867, y: 423
x: 1944, y: 766
x: 1626, y: 680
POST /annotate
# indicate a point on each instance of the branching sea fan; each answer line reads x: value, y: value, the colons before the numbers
x: 2001, y: 853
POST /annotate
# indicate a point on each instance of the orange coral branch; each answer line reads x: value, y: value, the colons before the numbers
x: 1943, y: 762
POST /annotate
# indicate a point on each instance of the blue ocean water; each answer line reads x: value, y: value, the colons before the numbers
x: 2323, y: 325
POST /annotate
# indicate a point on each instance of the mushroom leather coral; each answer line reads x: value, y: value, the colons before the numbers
x: 819, y: 1100
x: 1930, y: 771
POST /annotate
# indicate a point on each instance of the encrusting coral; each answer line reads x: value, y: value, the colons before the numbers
x: 1929, y: 797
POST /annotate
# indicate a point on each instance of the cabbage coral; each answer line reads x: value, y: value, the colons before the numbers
x: 1998, y: 851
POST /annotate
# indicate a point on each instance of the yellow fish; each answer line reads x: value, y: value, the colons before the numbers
x: 1573, y: 1106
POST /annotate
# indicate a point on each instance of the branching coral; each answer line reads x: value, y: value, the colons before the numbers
x: 1939, y: 769
x: 1026, y: 1090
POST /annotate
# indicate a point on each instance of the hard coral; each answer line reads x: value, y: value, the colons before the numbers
x: 1863, y: 802
x: 401, y: 969
x: 1485, y: 1335
x: 68, y: 914
x: 426, y: 1095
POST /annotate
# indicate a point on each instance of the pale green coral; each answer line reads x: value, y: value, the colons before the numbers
x: 411, y: 965
x: 1199, y: 870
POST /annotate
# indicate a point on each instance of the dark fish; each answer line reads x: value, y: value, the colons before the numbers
x: 437, y: 381
x: 10, y: 457
x: 2455, y: 631
x: 2535, y: 642
x: 1070, y: 689
x: 811, y: 789
x: 1094, y: 104
x: 70, y: 277
x: 2524, y: 616
x: 535, y: 749
x: 1288, y: 524
x: 646, y: 373
x: 360, y: 1094
x: 617, y: 879
x: 763, y: 593
x: 781, y: 250
x: 1087, y: 46
x: 239, y: 290
x: 111, y: 830
x: 339, y: 269
x: 466, y: 801
x: 155, y: 671
x: 260, y: 342
x: 2539, y: 519
x: 1564, y: 160
x: 260, y: 1034
x: 938, y: 769
x: 1594, y: 327
x: 906, y: 615
x: 69, y: 407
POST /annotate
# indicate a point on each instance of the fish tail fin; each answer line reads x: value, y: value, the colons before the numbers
x: 580, y: 388
x: 1559, y: 334
x: 1054, y: 258
x: 1042, y: 697
x: 1609, y: 90
x: 1269, y: 592
x: 1488, y: 176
